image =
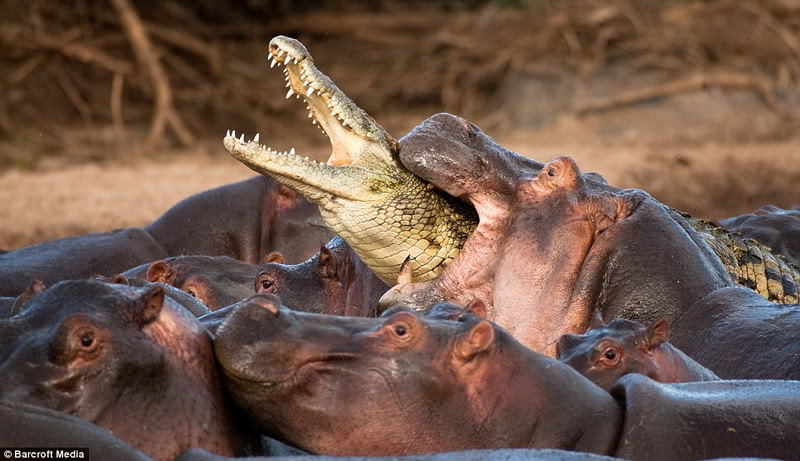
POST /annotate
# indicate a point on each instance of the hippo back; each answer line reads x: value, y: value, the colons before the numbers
x: 39, y: 427
x: 741, y: 335
x: 76, y: 257
x: 705, y: 420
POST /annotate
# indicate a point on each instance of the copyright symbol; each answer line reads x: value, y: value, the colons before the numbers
x: 7, y: 454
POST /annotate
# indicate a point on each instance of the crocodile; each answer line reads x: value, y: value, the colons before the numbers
x: 364, y: 193
x: 368, y: 196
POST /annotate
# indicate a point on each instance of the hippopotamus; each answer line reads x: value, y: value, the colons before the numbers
x: 403, y: 384
x: 185, y: 300
x: 553, y: 245
x: 705, y: 420
x: 623, y: 346
x: 740, y: 335
x: 127, y: 359
x: 34, y: 426
x: 334, y: 281
x: 244, y: 220
x: 775, y: 227
x: 217, y: 281
x: 470, y: 455
x: 412, y: 383
x: 9, y: 305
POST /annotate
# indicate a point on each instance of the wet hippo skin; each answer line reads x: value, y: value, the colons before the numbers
x: 130, y: 360
x: 32, y: 426
x: 244, y: 220
x: 738, y: 334
x: 216, y: 281
x: 712, y: 419
x: 405, y: 383
x: 553, y: 245
x: 334, y: 281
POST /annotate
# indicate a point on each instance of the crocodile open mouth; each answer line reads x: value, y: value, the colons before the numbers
x: 349, y: 129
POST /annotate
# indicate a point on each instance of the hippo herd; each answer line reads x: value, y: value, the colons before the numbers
x: 575, y: 321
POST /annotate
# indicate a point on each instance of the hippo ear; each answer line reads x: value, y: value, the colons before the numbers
x: 327, y: 263
x: 658, y: 333
x: 274, y: 257
x: 475, y: 341
x: 405, y: 272
x: 149, y: 305
x: 160, y: 271
x: 566, y: 343
x: 476, y: 307
x: 120, y: 279
x: 36, y: 287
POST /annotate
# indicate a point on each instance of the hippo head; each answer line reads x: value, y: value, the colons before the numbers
x: 317, y: 285
x: 334, y: 281
x: 217, y: 281
x: 342, y: 385
x: 66, y: 352
x: 456, y: 156
x: 621, y: 347
x: 125, y: 358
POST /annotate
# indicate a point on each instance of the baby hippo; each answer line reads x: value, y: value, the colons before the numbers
x: 624, y: 346
x: 127, y: 359
x: 334, y: 281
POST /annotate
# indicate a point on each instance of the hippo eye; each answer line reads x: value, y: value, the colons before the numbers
x: 400, y: 330
x: 266, y: 284
x: 610, y: 354
x: 87, y: 340
x: 191, y: 293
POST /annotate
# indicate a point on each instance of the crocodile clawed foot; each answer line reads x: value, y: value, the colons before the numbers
x: 418, y: 296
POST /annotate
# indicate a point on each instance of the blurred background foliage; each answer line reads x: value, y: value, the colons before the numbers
x: 694, y: 100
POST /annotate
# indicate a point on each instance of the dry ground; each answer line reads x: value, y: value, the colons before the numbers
x: 711, y: 180
x: 695, y: 101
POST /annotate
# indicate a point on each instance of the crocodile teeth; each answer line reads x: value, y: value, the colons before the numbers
x: 256, y: 137
x: 233, y: 133
x: 291, y: 151
x: 280, y: 53
x: 241, y: 138
x: 310, y: 91
x: 289, y: 93
x: 272, y: 63
x: 313, y: 121
x: 227, y: 133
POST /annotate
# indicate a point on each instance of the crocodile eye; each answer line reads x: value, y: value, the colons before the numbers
x: 551, y: 172
x: 400, y: 330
